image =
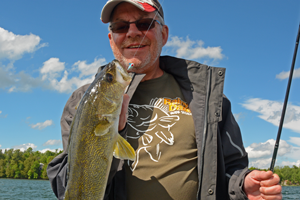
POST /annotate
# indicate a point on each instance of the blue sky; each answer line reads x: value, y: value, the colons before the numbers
x: 49, y: 48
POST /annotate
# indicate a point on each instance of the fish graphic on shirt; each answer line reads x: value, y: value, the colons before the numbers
x: 153, y: 118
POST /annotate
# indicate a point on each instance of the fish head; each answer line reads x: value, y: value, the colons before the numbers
x: 110, y: 87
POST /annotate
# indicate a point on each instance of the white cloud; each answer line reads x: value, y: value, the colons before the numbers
x: 271, y: 112
x: 295, y: 140
x: 53, y: 76
x: 288, y: 163
x: 0, y: 111
x: 13, y: 88
x: 265, y: 149
x: 53, y: 150
x: 21, y: 81
x: 193, y: 49
x: 0, y: 145
x: 260, y: 154
x: 285, y: 75
x: 42, y: 125
x: 13, y: 46
x: 89, y: 69
x: 3, y: 150
x: 23, y: 147
x: 53, y: 69
x: 52, y: 143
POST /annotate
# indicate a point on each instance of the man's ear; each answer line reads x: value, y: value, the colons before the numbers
x: 110, y: 37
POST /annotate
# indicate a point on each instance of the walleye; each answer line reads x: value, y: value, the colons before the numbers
x: 94, y: 137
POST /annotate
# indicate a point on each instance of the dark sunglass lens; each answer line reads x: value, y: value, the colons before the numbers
x: 119, y: 27
x: 145, y: 24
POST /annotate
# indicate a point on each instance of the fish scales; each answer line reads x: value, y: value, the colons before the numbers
x: 94, y: 137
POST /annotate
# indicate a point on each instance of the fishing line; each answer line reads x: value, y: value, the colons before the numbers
x: 131, y: 64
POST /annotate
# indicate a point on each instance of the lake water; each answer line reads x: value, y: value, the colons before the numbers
x: 15, y: 189
x: 291, y: 192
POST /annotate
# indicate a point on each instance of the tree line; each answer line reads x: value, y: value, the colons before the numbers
x: 30, y: 164
x: 288, y: 175
x: 25, y: 165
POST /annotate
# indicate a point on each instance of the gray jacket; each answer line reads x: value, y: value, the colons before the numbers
x: 222, y: 160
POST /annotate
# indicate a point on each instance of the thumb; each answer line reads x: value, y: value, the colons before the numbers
x: 122, y: 119
x: 126, y: 100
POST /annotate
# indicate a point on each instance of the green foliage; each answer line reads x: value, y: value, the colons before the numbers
x: 25, y: 165
x: 44, y: 172
x: 29, y: 173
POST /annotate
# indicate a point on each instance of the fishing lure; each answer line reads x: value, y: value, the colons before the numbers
x: 130, y: 66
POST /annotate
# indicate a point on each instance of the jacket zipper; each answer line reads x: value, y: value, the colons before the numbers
x: 204, y: 131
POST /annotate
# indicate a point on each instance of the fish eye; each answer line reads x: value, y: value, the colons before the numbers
x: 109, y: 77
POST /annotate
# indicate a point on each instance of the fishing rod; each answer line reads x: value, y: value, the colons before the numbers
x: 285, y: 104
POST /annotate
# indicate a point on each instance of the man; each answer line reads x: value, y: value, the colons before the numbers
x: 188, y: 144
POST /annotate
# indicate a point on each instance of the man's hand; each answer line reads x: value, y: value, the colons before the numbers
x: 262, y: 185
x: 124, y: 109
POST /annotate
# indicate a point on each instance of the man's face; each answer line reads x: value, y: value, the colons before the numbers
x: 136, y: 46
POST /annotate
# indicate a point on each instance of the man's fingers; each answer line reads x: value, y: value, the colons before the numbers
x: 272, y: 197
x: 261, y: 175
x: 266, y: 184
x: 273, y: 180
x: 272, y: 190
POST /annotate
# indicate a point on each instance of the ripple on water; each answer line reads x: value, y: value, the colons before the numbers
x: 20, y: 189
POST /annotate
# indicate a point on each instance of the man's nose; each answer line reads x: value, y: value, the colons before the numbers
x: 133, y: 31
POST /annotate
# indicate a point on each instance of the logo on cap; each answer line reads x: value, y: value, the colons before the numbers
x: 145, y: 1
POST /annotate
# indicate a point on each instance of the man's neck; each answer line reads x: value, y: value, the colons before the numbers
x: 155, y: 73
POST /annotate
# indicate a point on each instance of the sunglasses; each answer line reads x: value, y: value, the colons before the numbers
x: 141, y: 24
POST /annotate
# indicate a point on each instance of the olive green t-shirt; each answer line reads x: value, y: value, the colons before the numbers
x: 161, y: 130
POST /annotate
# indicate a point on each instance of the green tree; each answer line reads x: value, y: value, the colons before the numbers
x: 27, y: 165
x: 9, y: 172
x: 35, y: 169
x: 30, y: 174
x: 17, y: 155
x: 28, y: 152
x: 2, y: 168
x: 2, y: 156
x: 8, y: 154
x: 44, y: 172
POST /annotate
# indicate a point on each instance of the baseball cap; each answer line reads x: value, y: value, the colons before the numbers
x: 144, y: 5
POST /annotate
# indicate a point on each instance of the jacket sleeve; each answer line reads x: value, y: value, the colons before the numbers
x: 235, y: 156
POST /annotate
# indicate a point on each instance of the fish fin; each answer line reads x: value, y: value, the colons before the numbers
x: 105, y: 122
x: 101, y: 129
x: 123, y: 150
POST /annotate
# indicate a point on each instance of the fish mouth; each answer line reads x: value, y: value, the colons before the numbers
x: 122, y: 75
